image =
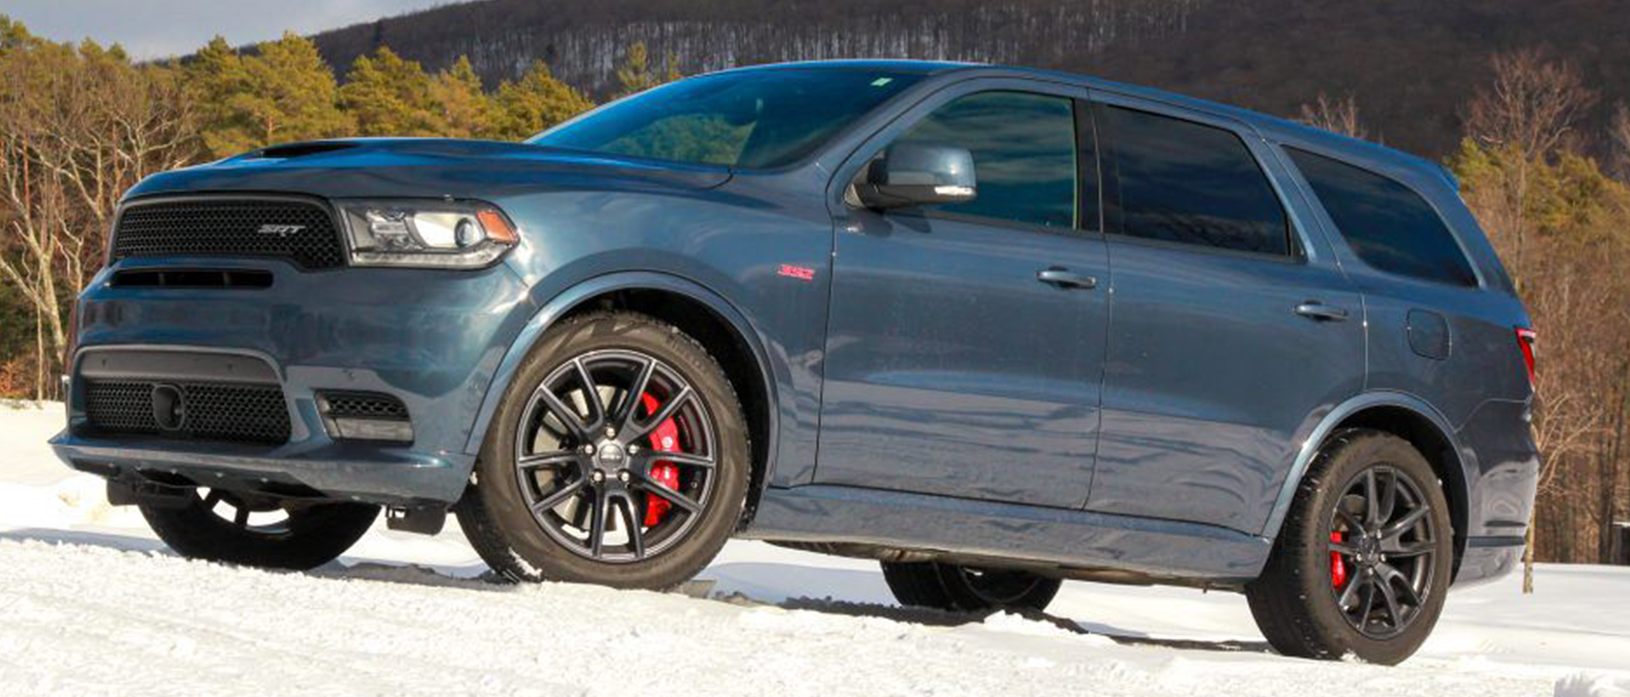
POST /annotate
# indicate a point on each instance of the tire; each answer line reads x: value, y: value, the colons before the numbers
x: 216, y: 526
x: 1331, y: 586
x: 955, y: 588
x: 562, y: 521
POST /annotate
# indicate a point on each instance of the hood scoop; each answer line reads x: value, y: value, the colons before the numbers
x: 293, y: 150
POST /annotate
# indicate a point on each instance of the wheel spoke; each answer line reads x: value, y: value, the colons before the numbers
x: 1390, y: 596
x: 567, y: 415
x: 1399, y: 550
x: 1407, y: 522
x: 634, y: 514
x: 631, y: 402
x: 1343, y: 549
x: 212, y: 499
x: 1389, y: 497
x: 591, y: 393
x: 1372, y: 502
x: 650, y: 457
x: 559, y: 496
x: 241, y: 518
x: 1354, y: 525
x: 1369, y: 603
x: 1389, y: 573
x: 597, y: 524
x: 690, y: 505
x: 666, y: 412
x: 1347, y: 593
x: 536, y: 460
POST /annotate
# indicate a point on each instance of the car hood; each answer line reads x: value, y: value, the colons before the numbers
x: 426, y: 167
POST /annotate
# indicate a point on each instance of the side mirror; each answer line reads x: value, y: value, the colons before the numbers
x: 913, y: 174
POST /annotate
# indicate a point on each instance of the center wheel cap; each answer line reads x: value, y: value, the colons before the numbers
x: 610, y: 456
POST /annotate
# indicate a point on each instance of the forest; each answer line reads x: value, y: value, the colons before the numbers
x: 1525, y: 108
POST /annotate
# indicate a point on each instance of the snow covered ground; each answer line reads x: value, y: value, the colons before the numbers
x: 92, y: 604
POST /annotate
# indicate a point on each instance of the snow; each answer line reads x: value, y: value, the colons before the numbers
x: 92, y: 604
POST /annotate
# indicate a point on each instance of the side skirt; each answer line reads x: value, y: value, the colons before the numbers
x: 1071, y: 543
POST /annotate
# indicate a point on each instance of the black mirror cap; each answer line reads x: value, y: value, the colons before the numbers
x: 914, y: 174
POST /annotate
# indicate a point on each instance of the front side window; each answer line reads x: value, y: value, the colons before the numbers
x: 1190, y: 183
x: 751, y: 119
x: 1387, y: 224
x: 1024, y: 154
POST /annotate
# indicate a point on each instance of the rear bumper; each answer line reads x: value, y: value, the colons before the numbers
x: 431, y: 339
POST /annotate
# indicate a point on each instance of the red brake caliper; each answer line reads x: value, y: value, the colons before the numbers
x: 1338, y: 566
x: 665, y: 439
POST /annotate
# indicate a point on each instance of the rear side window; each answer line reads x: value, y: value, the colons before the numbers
x: 1023, y: 148
x: 1190, y: 183
x: 1387, y: 224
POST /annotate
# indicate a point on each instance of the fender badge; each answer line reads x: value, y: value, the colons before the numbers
x: 802, y: 273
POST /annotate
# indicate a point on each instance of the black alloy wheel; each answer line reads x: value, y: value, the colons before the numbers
x: 1382, y: 538
x: 619, y: 456
x: 590, y: 452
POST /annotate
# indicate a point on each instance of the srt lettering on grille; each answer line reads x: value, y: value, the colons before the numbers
x: 280, y: 230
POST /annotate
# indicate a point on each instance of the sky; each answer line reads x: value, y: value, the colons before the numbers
x: 159, y: 28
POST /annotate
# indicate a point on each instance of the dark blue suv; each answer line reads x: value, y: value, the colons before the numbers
x: 992, y: 327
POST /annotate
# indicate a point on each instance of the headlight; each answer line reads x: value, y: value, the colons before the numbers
x: 435, y: 234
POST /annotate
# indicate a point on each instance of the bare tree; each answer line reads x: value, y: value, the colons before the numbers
x: 78, y: 126
x: 1619, y: 133
x: 1524, y: 115
x: 1336, y: 116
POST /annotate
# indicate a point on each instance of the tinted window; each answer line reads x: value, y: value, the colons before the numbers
x: 750, y: 118
x: 1023, y: 149
x: 1387, y: 224
x: 1185, y: 182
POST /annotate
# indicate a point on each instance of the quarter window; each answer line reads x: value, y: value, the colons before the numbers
x: 1024, y: 152
x: 1387, y: 224
x: 1190, y: 183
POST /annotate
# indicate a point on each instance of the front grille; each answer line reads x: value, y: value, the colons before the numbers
x: 300, y: 231
x: 213, y: 411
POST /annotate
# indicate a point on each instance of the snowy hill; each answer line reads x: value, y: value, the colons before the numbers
x: 90, y: 603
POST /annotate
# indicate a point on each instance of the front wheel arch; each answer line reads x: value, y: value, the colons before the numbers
x: 692, y: 308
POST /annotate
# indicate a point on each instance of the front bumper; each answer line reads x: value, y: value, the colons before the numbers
x: 432, y: 339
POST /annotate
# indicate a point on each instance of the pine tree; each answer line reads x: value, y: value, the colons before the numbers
x: 637, y: 75
x: 465, y: 110
x: 537, y: 102
x: 282, y: 93
x: 390, y: 96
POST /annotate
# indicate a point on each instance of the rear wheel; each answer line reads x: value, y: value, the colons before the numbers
x: 956, y: 588
x: 619, y: 457
x: 1363, y: 562
x: 253, y: 530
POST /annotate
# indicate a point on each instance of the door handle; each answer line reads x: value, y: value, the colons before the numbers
x: 1316, y: 310
x: 1064, y: 278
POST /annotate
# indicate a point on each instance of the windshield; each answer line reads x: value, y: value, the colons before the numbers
x: 754, y: 119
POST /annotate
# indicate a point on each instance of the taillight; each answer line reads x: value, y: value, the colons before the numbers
x: 1525, y: 341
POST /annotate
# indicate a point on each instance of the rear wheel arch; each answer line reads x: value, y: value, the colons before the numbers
x: 718, y: 325
x: 1405, y: 417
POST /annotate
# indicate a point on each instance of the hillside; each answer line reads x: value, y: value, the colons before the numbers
x: 1410, y: 64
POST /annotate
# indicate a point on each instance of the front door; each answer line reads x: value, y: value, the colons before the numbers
x: 1233, y: 330
x: 965, y: 341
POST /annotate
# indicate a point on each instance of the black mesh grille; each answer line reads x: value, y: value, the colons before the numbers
x: 213, y: 411
x: 297, y: 230
x: 364, y: 405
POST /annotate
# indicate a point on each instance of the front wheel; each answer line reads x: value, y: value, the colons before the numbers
x: 956, y: 588
x: 619, y: 457
x: 1363, y: 562
x: 252, y: 530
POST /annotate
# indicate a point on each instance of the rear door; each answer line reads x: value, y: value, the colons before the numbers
x: 1233, y: 328
x: 957, y: 364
